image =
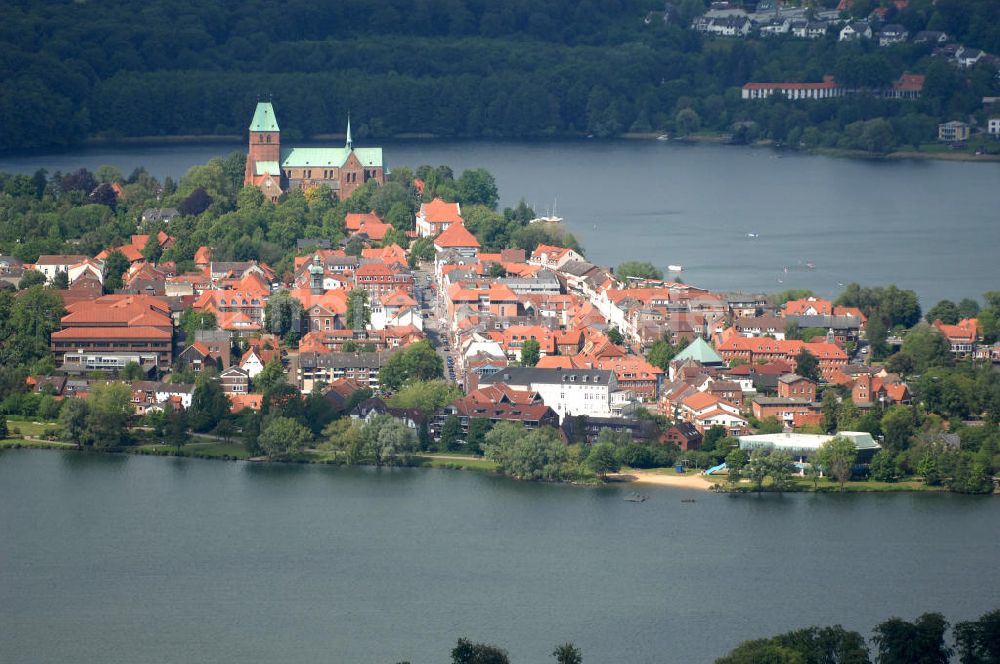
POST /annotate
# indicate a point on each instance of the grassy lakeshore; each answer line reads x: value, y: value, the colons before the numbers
x: 234, y: 451
x: 826, y: 485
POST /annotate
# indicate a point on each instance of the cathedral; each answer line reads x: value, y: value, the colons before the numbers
x: 275, y: 169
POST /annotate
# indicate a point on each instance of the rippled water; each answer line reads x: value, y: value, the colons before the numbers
x: 138, y: 559
x: 927, y: 225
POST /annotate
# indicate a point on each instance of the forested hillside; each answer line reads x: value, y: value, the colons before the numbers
x: 71, y: 70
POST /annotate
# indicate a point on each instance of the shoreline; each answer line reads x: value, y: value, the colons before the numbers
x: 661, y: 477
x: 636, y: 476
x: 716, y: 138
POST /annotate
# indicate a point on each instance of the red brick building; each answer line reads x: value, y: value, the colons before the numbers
x: 275, y: 170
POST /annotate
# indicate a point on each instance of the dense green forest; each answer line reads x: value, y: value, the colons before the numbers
x: 72, y: 70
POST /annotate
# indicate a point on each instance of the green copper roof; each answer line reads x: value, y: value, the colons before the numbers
x: 263, y: 118
x: 700, y: 351
x: 330, y: 157
x: 267, y: 167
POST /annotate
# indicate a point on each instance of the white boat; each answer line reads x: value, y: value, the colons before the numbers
x: 663, y: 137
x: 551, y: 218
x: 753, y: 235
x: 675, y: 268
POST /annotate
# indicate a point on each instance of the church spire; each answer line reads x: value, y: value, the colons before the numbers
x: 350, y: 142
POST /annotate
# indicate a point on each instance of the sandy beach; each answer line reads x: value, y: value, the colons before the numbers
x: 692, y: 481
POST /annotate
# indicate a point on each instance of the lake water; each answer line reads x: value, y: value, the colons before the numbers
x: 927, y: 225
x: 122, y: 559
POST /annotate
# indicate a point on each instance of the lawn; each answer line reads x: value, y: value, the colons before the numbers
x: 206, y: 450
x: 33, y: 428
x: 826, y: 485
x: 457, y: 461
x: 40, y: 444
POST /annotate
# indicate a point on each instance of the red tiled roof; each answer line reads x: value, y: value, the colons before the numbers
x: 353, y: 221
x: 106, y: 333
x: 827, y: 84
x: 800, y: 307
x: 909, y: 83
x: 439, y: 211
x: 700, y: 400
x: 456, y: 235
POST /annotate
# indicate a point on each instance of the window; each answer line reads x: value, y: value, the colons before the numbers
x: 268, y: 138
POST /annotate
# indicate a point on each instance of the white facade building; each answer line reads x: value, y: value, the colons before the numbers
x: 569, y: 392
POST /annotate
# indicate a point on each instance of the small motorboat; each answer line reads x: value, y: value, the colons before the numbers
x: 688, y: 500
x: 636, y: 497
x: 753, y: 235
x: 663, y: 137
x: 675, y: 268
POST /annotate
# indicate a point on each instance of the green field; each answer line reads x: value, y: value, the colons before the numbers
x: 210, y: 450
x: 32, y: 428
x: 456, y: 461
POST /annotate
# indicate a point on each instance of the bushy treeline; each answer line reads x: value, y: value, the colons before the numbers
x: 894, y: 641
x: 79, y: 213
x: 452, y: 68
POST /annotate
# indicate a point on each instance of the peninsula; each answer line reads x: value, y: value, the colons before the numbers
x: 310, y: 304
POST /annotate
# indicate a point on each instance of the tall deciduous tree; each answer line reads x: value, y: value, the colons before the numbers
x: 272, y: 374
x: 928, y: 347
x: 358, y: 314
x: 978, y: 641
x: 638, y: 270
x: 919, y: 642
x: 283, y: 316
x: 530, y: 353
x: 115, y: 265
x: 567, y: 653
x: 209, y: 405
x: 602, y: 460
x: 193, y: 321
x: 837, y: 456
x: 477, y: 186
x: 945, y: 311
x: 110, y: 409
x: 282, y: 437
x: 467, y: 652
x: 451, y: 431
x: 807, y: 366
x: 73, y: 421
x: 388, y: 441
x: 418, y: 361
x: 176, y: 430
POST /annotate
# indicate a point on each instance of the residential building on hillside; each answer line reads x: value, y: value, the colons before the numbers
x: 437, y: 216
x: 953, y: 132
x: 51, y: 265
x: 825, y: 90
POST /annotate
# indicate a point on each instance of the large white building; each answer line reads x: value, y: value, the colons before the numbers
x: 569, y: 392
x: 800, y: 446
x: 51, y: 265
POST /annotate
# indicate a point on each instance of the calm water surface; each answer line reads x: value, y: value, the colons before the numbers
x: 930, y: 226
x: 136, y: 559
